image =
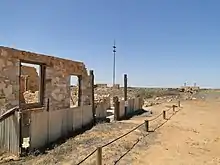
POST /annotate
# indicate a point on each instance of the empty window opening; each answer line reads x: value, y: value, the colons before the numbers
x: 30, y: 86
x: 74, y: 91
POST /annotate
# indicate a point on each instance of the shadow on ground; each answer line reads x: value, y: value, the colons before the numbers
x: 135, y: 113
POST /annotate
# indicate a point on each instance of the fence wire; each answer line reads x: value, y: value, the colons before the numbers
x: 107, y: 144
x: 87, y: 157
x: 159, y: 115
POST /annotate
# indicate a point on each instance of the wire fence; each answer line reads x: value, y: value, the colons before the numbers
x: 146, y: 123
x: 156, y: 117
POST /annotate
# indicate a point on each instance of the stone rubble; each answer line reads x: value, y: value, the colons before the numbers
x: 102, y: 93
x: 31, y: 97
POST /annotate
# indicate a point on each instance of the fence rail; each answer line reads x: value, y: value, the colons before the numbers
x: 8, y: 113
x: 146, y: 123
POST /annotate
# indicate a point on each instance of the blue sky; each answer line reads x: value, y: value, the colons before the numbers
x: 159, y: 42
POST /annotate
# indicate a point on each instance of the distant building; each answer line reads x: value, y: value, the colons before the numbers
x: 101, y: 85
x: 116, y: 86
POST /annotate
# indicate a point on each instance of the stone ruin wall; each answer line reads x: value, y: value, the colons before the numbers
x: 116, y: 86
x: 29, y: 84
x: 57, y: 79
x: 101, y: 85
x: 74, y: 96
x: 30, y: 74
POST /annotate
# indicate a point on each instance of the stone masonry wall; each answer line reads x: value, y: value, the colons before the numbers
x: 57, y: 78
x: 9, y: 86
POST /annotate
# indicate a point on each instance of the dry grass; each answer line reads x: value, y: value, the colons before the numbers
x: 75, y: 149
x: 185, y: 134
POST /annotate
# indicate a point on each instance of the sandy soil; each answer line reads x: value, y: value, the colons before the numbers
x: 190, y: 137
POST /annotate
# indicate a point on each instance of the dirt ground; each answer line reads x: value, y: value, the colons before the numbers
x: 190, y: 137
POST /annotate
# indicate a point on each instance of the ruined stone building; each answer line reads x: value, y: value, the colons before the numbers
x: 35, y: 99
x: 51, y: 84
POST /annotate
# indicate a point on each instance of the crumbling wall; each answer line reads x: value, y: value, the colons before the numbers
x: 101, y: 85
x: 74, y: 96
x: 57, y: 78
x: 9, y: 81
x: 29, y: 84
x: 116, y: 86
x: 30, y: 74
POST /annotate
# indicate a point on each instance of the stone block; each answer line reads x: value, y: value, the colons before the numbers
x: 8, y: 90
x: 10, y: 63
x: 3, y: 53
x: 10, y: 73
x: 2, y: 64
x: 2, y: 102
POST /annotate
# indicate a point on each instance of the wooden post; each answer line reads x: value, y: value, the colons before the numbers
x: 25, y: 83
x: 92, y: 90
x: 42, y: 83
x: 125, y: 93
x: 147, y: 125
x: 99, y: 156
x: 20, y: 140
x: 19, y: 83
x: 164, y: 115
x: 80, y: 91
x: 173, y: 108
x: 116, y: 108
x: 48, y: 120
x: 179, y: 103
x: 20, y: 131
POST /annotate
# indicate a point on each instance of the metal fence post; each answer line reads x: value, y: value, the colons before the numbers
x: 147, y: 125
x: 99, y: 156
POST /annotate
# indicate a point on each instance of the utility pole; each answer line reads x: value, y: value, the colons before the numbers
x: 125, y: 94
x: 114, y: 51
